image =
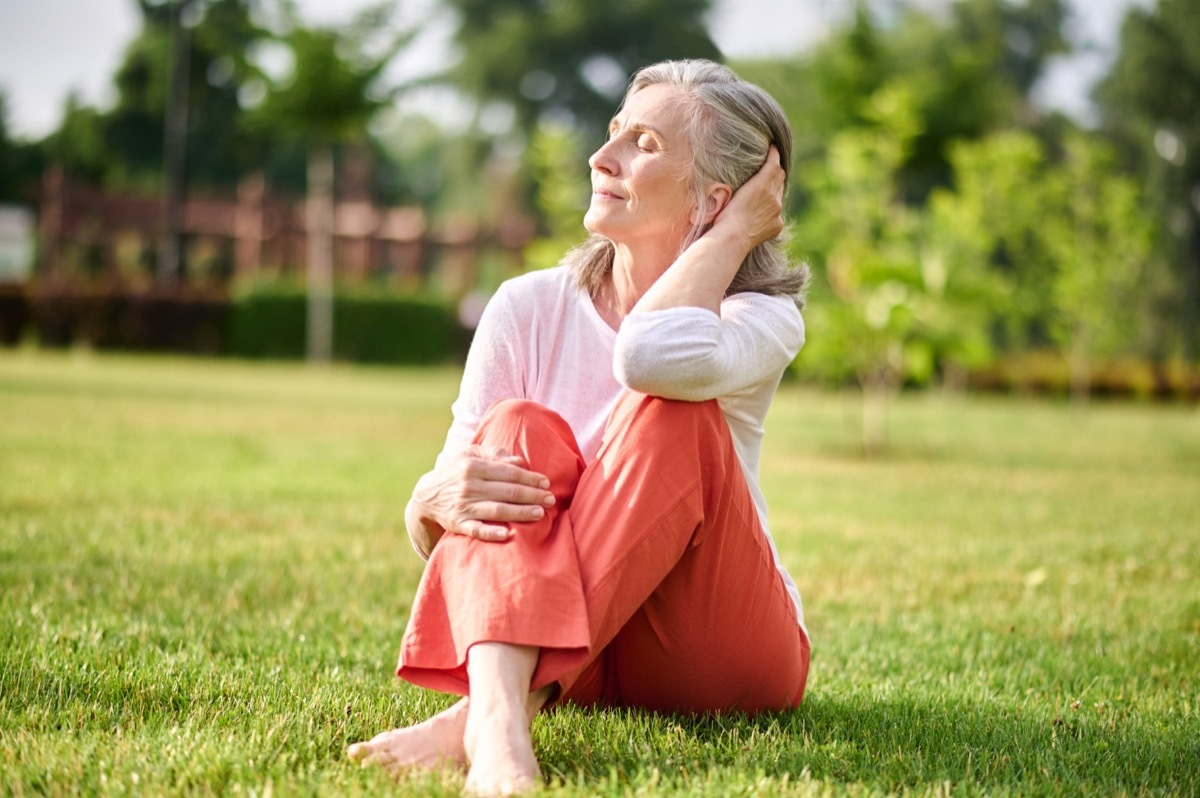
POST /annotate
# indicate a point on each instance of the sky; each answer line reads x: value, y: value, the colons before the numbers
x: 49, y: 48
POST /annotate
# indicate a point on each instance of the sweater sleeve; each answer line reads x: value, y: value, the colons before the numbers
x: 693, y: 354
x: 496, y: 369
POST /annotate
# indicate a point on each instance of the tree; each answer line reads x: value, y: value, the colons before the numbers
x: 999, y: 184
x: 1100, y: 238
x: 570, y: 57
x: 899, y: 288
x: 334, y: 90
x: 20, y: 162
x: 562, y: 193
x: 969, y: 73
x: 1150, y: 104
x: 123, y: 146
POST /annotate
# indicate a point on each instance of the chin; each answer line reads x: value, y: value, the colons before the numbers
x: 593, y: 225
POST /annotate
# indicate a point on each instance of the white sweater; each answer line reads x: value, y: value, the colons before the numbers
x: 541, y: 338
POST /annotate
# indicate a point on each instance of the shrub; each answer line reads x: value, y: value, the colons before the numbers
x: 171, y: 321
x: 271, y: 322
x: 14, y: 313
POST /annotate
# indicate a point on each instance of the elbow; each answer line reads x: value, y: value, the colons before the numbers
x: 684, y: 376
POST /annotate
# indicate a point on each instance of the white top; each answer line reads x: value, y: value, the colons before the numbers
x: 541, y: 338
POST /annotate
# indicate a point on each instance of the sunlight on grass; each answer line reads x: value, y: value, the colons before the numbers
x: 204, y: 579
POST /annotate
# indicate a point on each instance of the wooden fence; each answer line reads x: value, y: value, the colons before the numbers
x: 113, y: 239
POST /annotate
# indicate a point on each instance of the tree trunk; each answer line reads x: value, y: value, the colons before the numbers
x: 170, y: 249
x: 320, y: 253
x: 1081, y: 375
x: 874, y: 413
x: 1191, y: 281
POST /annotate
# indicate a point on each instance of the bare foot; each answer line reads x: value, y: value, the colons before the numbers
x: 430, y: 745
x: 501, y: 753
x: 496, y: 735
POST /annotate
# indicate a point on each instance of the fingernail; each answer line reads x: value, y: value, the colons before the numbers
x: 549, y: 500
x: 538, y: 512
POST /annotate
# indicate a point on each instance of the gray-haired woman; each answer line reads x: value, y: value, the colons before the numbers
x: 594, y: 526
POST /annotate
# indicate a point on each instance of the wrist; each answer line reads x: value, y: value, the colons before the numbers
x: 423, y: 531
x: 730, y: 240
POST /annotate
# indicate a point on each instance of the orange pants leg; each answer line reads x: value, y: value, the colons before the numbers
x: 650, y: 585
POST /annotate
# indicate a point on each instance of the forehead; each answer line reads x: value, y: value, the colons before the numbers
x: 660, y: 107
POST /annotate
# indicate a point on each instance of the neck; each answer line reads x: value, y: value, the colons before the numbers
x: 634, y: 270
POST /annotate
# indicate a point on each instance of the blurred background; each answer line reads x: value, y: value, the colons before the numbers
x: 992, y: 194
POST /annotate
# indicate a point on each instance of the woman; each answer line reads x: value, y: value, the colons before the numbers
x: 594, y: 526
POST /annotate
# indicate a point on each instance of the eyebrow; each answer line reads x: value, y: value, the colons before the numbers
x: 637, y: 127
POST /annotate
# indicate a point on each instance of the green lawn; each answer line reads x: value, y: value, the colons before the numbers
x: 204, y: 579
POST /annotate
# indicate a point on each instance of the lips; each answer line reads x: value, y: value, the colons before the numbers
x: 606, y: 193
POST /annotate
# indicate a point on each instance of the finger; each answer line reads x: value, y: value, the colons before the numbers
x: 514, y: 493
x: 497, y: 471
x: 483, y: 531
x: 501, y: 455
x: 494, y: 512
x: 497, y: 453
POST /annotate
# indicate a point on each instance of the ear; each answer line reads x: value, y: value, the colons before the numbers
x: 715, y: 200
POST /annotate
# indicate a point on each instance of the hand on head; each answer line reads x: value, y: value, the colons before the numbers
x: 755, y: 210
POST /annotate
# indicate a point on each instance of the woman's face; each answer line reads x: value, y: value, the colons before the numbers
x: 642, y: 176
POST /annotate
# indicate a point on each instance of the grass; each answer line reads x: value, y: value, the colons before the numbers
x: 204, y: 578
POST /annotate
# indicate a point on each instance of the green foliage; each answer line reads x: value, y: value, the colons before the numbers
x: 562, y: 193
x: 335, y: 87
x: 902, y: 292
x: 1019, y: 243
x: 1100, y: 241
x: 867, y: 242
x: 18, y: 162
x: 1150, y: 106
x: 123, y: 146
x: 270, y: 322
x: 998, y: 182
x: 570, y: 57
x: 205, y: 577
x: 78, y: 144
x: 968, y: 73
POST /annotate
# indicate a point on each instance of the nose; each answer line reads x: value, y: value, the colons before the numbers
x: 602, y: 160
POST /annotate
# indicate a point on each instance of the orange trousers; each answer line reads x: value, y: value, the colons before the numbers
x: 649, y: 584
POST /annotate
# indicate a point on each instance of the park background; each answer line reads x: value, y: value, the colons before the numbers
x: 982, y: 466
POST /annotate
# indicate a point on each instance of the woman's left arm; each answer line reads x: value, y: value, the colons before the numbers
x: 694, y: 354
x: 683, y: 340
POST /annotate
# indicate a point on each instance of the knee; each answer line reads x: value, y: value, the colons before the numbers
x: 516, y: 423
x: 508, y: 410
x: 674, y: 417
x: 524, y: 414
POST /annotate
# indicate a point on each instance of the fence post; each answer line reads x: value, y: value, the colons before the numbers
x: 248, y: 224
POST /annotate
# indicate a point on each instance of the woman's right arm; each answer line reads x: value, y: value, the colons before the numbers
x: 474, y: 493
x: 475, y: 490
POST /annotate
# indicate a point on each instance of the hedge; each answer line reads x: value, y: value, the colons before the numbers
x: 258, y: 323
x: 366, y: 329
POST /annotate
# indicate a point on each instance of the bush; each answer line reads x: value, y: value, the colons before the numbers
x: 368, y: 328
x: 263, y: 322
x: 14, y: 313
x: 1047, y: 372
x: 170, y: 321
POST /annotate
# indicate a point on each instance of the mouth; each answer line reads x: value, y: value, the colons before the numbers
x: 605, y: 194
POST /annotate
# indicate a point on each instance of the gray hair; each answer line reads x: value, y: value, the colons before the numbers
x: 730, y: 124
